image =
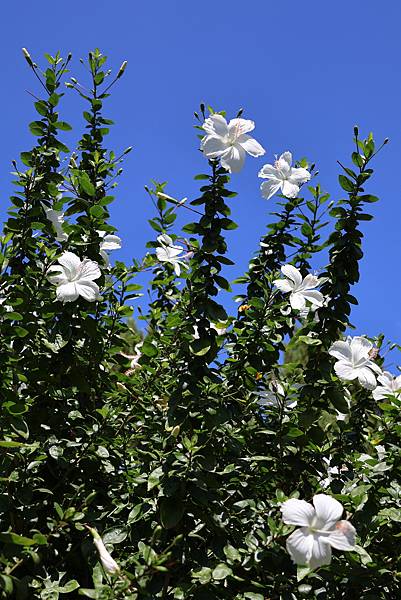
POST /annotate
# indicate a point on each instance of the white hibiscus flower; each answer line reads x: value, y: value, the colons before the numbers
x: 301, y: 289
x: 320, y: 530
x: 171, y: 253
x: 134, y: 358
x: 276, y: 395
x: 282, y: 176
x: 109, y: 242
x: 229, y: 142
x: 75, y: 277
x: 108, y: 562
x: 56, y: 217
x: 389, y: 386
x: 354, y: 361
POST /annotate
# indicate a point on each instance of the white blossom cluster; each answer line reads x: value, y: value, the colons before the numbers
x: 230, y: 142
x: 319, y: 525
x: 74, y: 277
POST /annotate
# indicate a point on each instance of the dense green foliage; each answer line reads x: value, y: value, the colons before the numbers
x: 175, y: 461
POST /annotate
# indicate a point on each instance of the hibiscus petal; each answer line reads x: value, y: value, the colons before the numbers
x: 286, y: 157
x: 89, y: 270
x: 216, y: 125
x: 161, y: 254
x: 310, y: 282
x: 233, y: 159
x: 269, y: 172
x: 386, y: 379
x: 164, y: 239
x: 269, y: 188
x: 300, y: 546
x: 292, y: 273
x: 59, y: 275
x: 88, y: 290
x: 110, y: 242
x: 251, y: 146
x: 290, y: 190
x: 284, y: 164
x: 314, y: 296
x: 360, y: 347
x: 67, y: 292
x: 61, y: 236
x: 345, y: 371
x: 213, y: 147
x: 71, y: 262
x: 366, y: 378
x: 372, y: 365
x: 284, y: 285
x: 380, y: 393
x: 238, y: 127
x: 297, y: 512
x: 299, y: 176
x: 297, y: 300
x: 105, y: 256
x: 343, y: 536
x: 328, y: 511
x: 340, y: 350
x: 321, y: 553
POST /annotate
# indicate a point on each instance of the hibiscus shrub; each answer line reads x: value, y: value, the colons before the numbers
x: 245, y: 456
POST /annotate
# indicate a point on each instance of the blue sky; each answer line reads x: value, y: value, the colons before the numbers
x: 305, y: 72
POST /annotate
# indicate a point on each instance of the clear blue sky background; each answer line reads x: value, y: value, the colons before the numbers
x: 305, y: 72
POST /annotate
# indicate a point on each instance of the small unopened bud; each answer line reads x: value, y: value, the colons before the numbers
x: 175, y: 431
x: 108, y: 562
x: 121, y: 386
x: 27, y: 56
x: 122, y: 69
x: 127, y: 150
x: 386, y: 141
x: 356, y: 130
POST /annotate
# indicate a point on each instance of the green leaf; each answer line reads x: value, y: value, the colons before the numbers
x: 69, y: 587
x: 345, y: 183
x: 62, y: 125
x: 154, y: 478
x: 133, y: 287
x: 11, y: 444
x: 116, y: 535
x: 37, y: 128
x: 149, y: 349
x: 13, y: 316
x: 41, y: 107
x: 201, y: 346
x: 54, y: 99
x: 86, y: 184
x: 17, y: 540
x: 96, y: 211
x: 310, y: 341
x: 231, y: 553
x: 222, y: 571
x: 171, y: 512
x: 20, y: 331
